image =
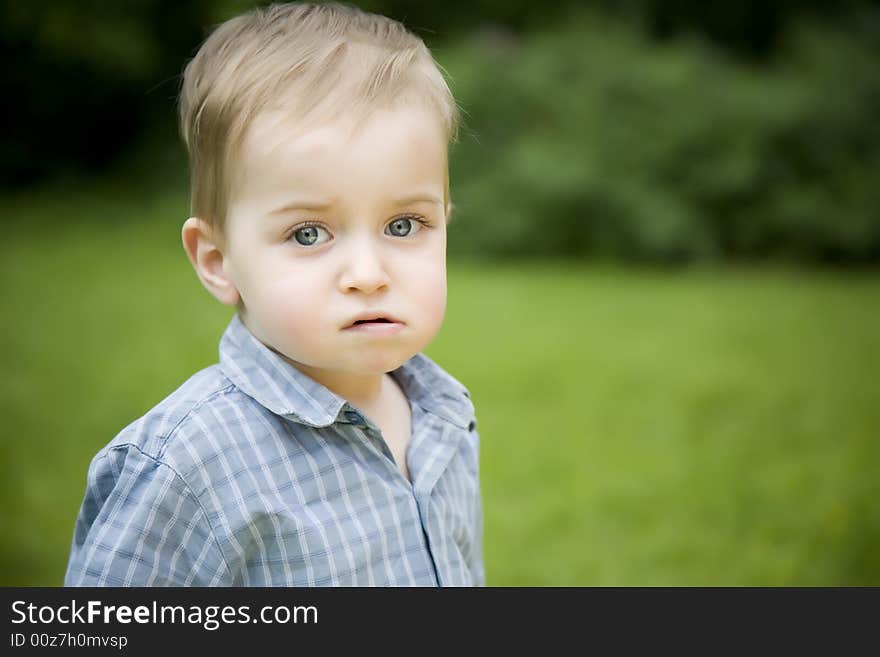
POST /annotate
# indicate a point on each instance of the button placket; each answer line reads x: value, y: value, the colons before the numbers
x: 373, y: 436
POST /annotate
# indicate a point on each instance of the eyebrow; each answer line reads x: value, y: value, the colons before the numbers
x: 324, y: 204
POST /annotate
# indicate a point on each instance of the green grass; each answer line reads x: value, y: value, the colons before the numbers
x: 638, y: 427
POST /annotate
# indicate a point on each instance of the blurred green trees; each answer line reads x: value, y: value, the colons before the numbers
x: 591, y: 139
x: 85, y: 81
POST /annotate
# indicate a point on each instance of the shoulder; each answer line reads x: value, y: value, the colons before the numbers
x: 181, y: 430
x: 141, y: 521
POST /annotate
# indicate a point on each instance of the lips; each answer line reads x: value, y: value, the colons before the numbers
x: 372, y: 318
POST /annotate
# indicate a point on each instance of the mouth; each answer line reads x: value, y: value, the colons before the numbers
x: 378, y: 322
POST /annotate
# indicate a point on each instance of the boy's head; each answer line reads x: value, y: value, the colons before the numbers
x: 308, y: 63
x: 318, y: 137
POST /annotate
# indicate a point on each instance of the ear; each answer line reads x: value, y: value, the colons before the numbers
x: 203, y: 250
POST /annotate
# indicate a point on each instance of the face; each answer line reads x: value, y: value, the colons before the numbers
x: 333, y: 224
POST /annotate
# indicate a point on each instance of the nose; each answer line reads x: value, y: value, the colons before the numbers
x: 363, y: 268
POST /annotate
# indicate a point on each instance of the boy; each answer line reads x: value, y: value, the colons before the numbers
x: 324, y: 448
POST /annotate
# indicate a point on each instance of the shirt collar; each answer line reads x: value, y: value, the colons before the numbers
x: 277, y: 385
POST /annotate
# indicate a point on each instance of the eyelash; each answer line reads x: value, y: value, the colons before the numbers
x: 413, y: 217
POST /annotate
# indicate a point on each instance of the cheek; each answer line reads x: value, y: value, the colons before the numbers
x: 283, y: 301
x: 295, y: 298
x: 428, y: 280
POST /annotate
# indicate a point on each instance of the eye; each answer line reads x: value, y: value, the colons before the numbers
x: 309, y: 235
x: 404, y: 226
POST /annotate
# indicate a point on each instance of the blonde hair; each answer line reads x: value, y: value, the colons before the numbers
x: 318, y: 61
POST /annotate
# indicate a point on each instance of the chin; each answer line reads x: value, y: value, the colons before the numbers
x: 381, y: 364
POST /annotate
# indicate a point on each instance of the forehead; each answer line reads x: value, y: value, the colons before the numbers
x: 392, y: 147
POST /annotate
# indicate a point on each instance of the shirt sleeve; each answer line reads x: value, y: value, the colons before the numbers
x: 141, y: 525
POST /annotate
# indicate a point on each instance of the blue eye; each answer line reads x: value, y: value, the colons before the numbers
x: 404, y: 226
x: 308, y: 235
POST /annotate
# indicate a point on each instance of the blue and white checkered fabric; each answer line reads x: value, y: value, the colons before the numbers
x: 253, y: 474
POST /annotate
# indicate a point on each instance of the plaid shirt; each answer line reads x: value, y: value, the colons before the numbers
x: 253, y: 474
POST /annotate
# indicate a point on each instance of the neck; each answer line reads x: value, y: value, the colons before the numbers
x: 361, y: 390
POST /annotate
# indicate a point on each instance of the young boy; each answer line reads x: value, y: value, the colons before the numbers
x: 324, y: 448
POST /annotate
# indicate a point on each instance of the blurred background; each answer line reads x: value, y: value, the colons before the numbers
x: 664, y: 284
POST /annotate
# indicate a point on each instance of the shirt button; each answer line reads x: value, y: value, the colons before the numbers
x: 352, y: 417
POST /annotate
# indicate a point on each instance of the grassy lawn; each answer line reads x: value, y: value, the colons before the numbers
x: 638, y: 427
